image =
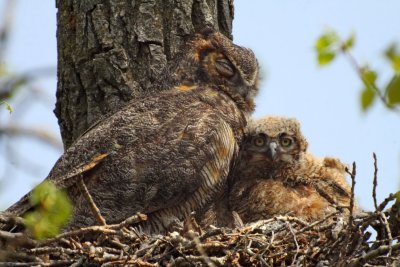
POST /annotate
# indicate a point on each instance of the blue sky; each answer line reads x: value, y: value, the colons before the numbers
x: 282, y: 34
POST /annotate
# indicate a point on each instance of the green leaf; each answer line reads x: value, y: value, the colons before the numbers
x: 393, y: 56
x: 52, y: 211
x: 349, y: 43
x: 326, y: 41
x: 325, y: 58
x: 326, y: 47
x: 396, y: 63
x: 367, y: 98
x: 8, y: 106
x: 393, y: 90
x: 390, y: 52
x: 369, y: 77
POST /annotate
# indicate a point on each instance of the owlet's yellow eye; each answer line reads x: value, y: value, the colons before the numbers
x: 286, y: 141
x: 259, y: 141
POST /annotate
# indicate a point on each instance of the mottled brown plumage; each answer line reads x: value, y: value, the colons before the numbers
x: 167, y: 154
x: 276, y: 176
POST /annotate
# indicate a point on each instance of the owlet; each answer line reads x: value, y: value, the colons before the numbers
x: 276, y: 176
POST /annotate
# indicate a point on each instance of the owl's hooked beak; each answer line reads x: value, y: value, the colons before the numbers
x: 272, y: 151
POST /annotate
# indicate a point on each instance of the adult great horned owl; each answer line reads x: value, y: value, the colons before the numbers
x: 276, y: 176
x: 167, y: 154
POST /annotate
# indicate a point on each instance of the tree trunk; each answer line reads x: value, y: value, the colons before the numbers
x: 110, y: 52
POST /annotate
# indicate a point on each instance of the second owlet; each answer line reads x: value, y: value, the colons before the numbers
x: 165, y: 155
x: 276, y: 176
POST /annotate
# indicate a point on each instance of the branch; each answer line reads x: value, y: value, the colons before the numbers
x: 353, y: 185
x: 5, y: 26
x: 375, y: 181
x: 96, y: 211
x: 373, y: 254
x: 359, y: 71
x: 18, y: 238
x: 41, y: 135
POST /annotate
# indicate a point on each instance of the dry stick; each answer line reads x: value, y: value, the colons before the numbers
x: 105, y: 229
x: 260, y: 223
x: 382, y: 216
x: 39, y: 134
x: 193, y: 258
x: 20, y: 238
x: 353, y: 185
x: 138, y: 217
x: 351, y: 218
x: 375, y: 181
x: 100, y: 219
x: 180, y: 252
x: 295, y: 241
x: 384, y: 203
x: 200, y: 249
x: 48, y: 250
x: 11, y: 219
x: 9, y: 255
x: 310, y: 226
x: 373, y: 254
x: 29, y: 264
x: 268, y: 244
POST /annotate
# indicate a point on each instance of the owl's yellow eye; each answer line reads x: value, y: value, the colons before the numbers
x: 259, y: 141
x: 286, y: 141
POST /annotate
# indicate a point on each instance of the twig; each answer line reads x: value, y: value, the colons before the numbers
x: 96, y: 211
x: 138, y: 217
x: 105, y: 229
x: 19, y: 238
x: 81, y: 231
x: 295, y: 241
x: 221, y: 261
x: 360, y: 73
x: 40, y: 134
x: 381, y: 215
x: 11, y: 219
x: 353, y: 185
x: 47, y: 250
x: 200, y: 249
x: 373, y: 254
x: 6, y: 25
x: 384, y: 203
x: 388, y: 231
x: 260, y: 223
x: 375, y: 181
x: 310, y: 226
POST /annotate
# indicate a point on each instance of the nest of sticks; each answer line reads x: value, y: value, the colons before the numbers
x: 371, y: 239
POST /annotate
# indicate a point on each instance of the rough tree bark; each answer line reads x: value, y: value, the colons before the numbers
x: 110, y: 52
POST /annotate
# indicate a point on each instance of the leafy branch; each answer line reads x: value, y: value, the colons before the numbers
x: 329, y: 45
x: 8, y: 106
x: 52, y: 211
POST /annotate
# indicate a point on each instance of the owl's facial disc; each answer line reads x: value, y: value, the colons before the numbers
x: 280, y: 149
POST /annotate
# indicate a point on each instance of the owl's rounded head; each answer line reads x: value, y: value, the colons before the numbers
x: 275, y: 139
x: 210, y: 58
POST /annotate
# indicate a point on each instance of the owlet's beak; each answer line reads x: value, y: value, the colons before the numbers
x: 272, y: 152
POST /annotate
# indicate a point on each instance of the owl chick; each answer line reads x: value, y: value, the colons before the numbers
x: 165, y: 155
x: 276, y: 176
